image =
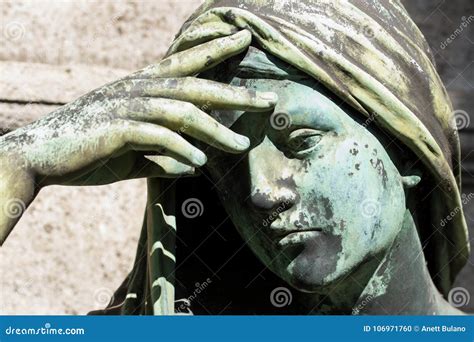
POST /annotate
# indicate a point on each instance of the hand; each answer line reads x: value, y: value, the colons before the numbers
x: 105, y: 135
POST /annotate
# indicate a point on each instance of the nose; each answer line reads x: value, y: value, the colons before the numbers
x: 271, y: 183
x: 269, y: 200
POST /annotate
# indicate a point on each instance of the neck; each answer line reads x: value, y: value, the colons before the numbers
x: 399, y: 284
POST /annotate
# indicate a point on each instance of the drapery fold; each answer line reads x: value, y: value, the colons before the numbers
x: 372, y: 56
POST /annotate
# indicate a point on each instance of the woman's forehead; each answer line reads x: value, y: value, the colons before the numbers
x: 260, y: 70
x: 253, y: 63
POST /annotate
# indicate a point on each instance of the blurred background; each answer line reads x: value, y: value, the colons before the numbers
x: 74, y: 246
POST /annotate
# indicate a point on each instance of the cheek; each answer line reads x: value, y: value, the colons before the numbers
x: 233, y: 195
x: 375, y: 195
x: 359, y: 194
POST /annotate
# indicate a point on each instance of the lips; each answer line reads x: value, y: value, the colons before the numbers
x: 298, y: 236
x: 282, y: 233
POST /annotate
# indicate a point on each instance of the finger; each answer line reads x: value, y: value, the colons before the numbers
x: 206, y: 94
x: 162, y: 166
x: 140, y: 136
x: 198, y: 58
x: 185, y: 118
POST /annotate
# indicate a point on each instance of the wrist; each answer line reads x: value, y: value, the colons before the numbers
x: 17, y: 190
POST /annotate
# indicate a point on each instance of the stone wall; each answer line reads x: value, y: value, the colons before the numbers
x: 74, y: 246
x: 51, y: 52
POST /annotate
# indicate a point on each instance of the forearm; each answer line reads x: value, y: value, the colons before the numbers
x: 17, y: 191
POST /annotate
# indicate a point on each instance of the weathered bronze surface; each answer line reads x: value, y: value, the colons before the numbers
x: 322, y: 132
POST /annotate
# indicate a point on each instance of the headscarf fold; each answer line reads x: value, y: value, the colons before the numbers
x: 372, y: 56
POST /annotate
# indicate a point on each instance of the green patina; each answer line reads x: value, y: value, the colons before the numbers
x: 332, y: 102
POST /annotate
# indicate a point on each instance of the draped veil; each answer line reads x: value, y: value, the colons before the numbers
x: 371, y: 55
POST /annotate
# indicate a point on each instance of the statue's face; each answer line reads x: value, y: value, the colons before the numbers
x: 316, y: 195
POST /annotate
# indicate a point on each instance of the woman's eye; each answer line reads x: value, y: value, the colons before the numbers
x: 303, y: 141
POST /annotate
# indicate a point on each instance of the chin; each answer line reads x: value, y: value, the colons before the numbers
x: 313, y: 268
x: 303, y: 286
x: 310, y: 274
x: 305, y: 280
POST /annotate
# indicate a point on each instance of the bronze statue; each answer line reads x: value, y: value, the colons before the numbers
x: 320, y: 130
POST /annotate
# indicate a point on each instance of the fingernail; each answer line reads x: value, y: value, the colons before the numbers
x: 190, y: 171
x: 200, y: 159
x: 195, y: 173
x: 242, y: 140
x: 269, y: 96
